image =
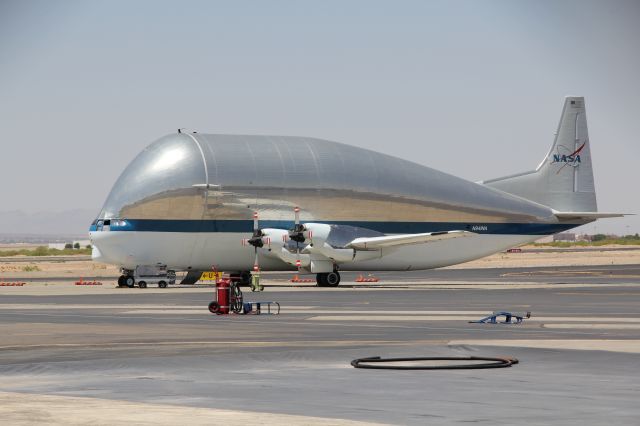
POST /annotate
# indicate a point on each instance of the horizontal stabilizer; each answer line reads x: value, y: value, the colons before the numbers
x: 375, y: 243
x: 586, y: 215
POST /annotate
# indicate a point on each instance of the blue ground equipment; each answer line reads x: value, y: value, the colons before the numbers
x: 509, y: 318
x: 261, y: 308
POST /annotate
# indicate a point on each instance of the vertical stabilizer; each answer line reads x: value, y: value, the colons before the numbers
x: 564, y: 179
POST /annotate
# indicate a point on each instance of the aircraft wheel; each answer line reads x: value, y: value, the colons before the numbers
x: 214, y: 307
x: 129, y: 281
x: 245, y: 278
x: 162, y: 284
x: 242, y: 278
x: 121, y: 279
x: 332, y: 279
x: 142, y: 284
x: 321, y: 280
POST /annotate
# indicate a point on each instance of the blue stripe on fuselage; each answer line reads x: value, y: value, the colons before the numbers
x: 160, y: 225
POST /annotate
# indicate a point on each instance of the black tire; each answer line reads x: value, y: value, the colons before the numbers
x: 332, y: 279
x: 129, y: 281
x: 242, y: 278
x: 142, y: 284
x: 245, y: 278
x: 214, y: 308
x: 321, y: 280
x: 162, y: 284
x: 237, y: 299
x: 121, y: 279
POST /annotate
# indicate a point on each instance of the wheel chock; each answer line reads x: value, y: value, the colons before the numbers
x: 369, y: 279
x: 94, y: 282
x: 297, y: 279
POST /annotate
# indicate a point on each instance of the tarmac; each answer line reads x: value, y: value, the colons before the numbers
x: 106, y: 355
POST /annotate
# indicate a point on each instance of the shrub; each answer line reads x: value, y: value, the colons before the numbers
x: 30, y: 268
x: 41, y: 251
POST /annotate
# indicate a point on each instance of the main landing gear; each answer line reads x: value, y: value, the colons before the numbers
x: 126, y: 281
x: 328, y: 279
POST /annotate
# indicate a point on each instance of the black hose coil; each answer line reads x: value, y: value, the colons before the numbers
x: 492, y: 363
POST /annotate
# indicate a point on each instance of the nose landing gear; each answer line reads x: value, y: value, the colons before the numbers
x: 328, y: 279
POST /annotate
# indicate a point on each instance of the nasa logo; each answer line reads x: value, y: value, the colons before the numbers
x: 568, y: 158
x: 479, y: 228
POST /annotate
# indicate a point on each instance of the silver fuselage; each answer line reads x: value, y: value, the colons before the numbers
x: 187, y: 201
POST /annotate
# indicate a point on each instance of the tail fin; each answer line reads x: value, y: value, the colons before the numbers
x: 564, y: 179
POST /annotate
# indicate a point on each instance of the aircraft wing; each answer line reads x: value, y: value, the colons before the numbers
x: 375, y: 243
x: 586, y: 215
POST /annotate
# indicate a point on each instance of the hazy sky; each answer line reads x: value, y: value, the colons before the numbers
x: 473, y: 88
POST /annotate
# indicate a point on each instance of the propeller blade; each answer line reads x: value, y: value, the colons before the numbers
x: 255, y: 222
x: 296, y: 211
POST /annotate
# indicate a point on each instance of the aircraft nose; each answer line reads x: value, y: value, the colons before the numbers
x: 96, y: 255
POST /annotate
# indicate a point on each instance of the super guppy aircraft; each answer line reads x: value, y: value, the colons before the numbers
x: 190, y: 202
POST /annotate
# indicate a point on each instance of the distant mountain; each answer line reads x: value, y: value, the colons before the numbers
x: 70, y: 222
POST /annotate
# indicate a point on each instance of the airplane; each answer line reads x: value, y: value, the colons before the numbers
x: 192, y: 202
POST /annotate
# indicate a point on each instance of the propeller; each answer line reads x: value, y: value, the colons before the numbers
x: 257, y: 240
x: 299, y: 234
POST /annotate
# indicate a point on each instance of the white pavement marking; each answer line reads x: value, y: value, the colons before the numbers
x: 235, y: 343
x: 611, y: 326
x: 627, y: 346
x: 201, y: 311
x: 382, y: 312
x: 41, y: 306
x: 463, y: 317
x: 33, y: 409
x: 284, y: 310
x: 65, y: 289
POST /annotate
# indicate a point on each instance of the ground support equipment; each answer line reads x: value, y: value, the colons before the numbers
x: 228, y: 298
x: 255, y: 283
x: 261, y: 308
x: 509, y: 318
